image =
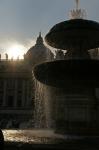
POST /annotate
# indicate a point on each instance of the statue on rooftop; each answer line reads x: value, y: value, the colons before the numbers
x: 6, y: 56
x: 0, y: 56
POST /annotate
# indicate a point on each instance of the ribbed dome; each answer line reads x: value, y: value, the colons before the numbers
x: 39, y: 52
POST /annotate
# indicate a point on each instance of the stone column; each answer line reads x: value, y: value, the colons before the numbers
x: 27, y: 96
x: 23, y: 93
x: 4, y: 94
x: 15, y: 94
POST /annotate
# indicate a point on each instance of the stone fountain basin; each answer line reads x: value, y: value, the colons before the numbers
x: 74, y: 34
x: 64, y: 73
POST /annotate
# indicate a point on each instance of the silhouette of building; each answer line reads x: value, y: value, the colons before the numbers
x: 38, y: 53
x: 17, y: 87
x: 15, y: 92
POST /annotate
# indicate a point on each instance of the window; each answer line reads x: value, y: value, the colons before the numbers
x: 10, y: 101
x: 1, y: 100
x: 19, y: 102
x: 20, y: 83
x: 1, y: 84
x: 10, y: 83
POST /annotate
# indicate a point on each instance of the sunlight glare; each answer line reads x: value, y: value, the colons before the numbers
x: 16, y: 51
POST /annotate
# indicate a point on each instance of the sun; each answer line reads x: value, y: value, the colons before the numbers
x: 16, y: 51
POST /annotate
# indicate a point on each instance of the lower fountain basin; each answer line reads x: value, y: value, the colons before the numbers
x: 33, y: 141
x: 63, y: 73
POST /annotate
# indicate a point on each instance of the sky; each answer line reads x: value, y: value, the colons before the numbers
x: 22, y: 20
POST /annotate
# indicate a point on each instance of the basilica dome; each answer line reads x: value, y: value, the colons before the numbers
x: 39, y: 52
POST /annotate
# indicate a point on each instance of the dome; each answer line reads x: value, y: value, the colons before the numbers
x: 74, y: 34
x: 39, y: 52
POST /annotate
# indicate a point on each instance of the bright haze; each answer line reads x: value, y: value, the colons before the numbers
x: 22, y: 20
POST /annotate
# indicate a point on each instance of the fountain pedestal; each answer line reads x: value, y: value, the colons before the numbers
x: 76, y: 111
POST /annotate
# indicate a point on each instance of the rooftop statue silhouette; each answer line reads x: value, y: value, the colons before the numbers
x: 6, y: 56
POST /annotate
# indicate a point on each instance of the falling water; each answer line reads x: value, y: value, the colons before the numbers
x: 42, y: 112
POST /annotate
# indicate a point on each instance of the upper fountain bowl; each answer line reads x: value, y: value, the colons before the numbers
x: 74, y: 34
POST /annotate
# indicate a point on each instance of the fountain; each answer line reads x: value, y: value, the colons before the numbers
x: 66, y: 90
x: 76, y: 78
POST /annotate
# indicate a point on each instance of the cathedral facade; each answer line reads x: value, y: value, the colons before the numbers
x: 17, y: 91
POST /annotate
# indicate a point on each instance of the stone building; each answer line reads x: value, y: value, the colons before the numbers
x: 17, y: 90
x: 16, y: 105
x: 38, y: 53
